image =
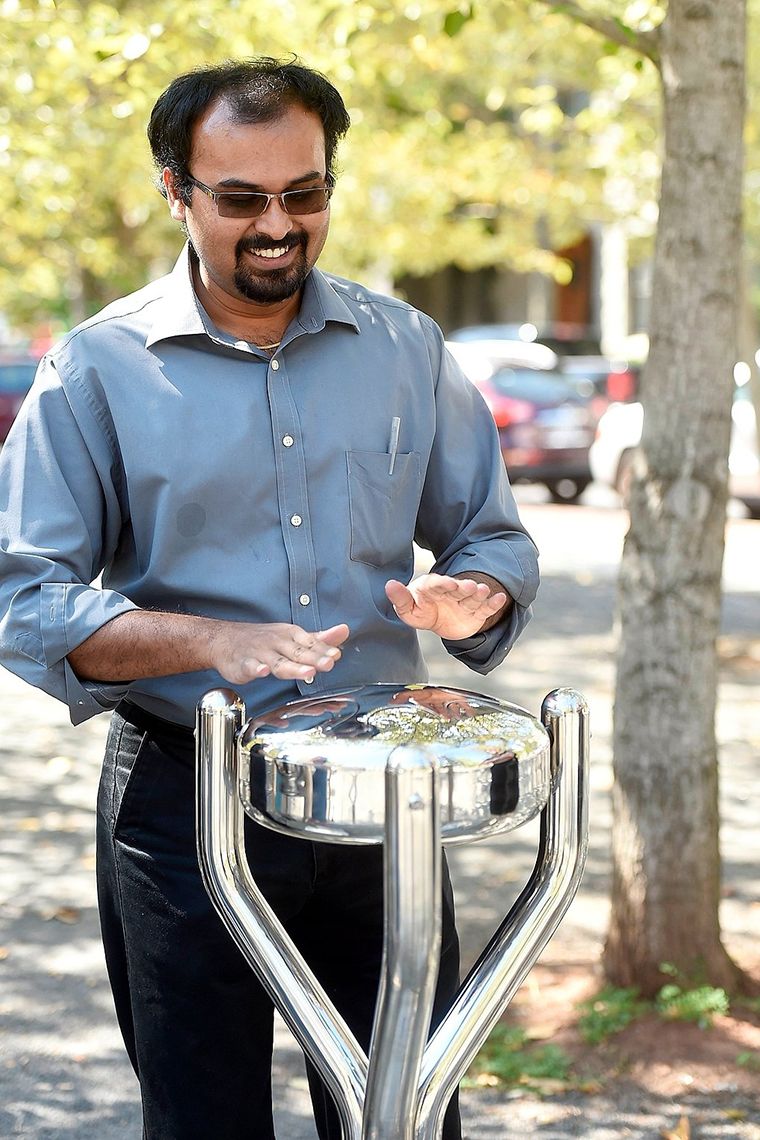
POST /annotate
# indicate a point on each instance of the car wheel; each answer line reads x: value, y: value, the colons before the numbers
x: 567, y: 490
x: 752, y: 507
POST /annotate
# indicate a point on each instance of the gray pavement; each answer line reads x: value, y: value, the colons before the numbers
x: 63, y: 1074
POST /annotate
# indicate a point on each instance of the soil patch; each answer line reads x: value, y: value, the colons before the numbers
x: 661, y: 1057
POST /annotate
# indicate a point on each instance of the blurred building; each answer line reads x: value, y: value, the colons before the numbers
x: 603, y: 305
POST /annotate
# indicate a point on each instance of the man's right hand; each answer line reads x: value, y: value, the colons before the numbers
x: 147, y: 643
x: 242, y: 652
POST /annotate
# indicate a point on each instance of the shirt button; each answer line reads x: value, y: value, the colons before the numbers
x: 296, y: 520
x: 275, y: 365
x: 288, y: 441
x: 304, y: 599
x: 308, y: 680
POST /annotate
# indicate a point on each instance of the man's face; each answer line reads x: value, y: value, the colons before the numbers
x: 262, y: 260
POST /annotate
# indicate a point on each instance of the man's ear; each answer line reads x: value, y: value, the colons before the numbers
x: 176, y: 204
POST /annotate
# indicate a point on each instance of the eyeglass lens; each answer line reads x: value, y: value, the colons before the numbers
x: 239, y: 205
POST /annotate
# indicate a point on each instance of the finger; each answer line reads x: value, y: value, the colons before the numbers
x: 308, y: 648
x: 473, y: 599
x: 240, y: 673
x: 469, y: 586
x: 492, y: 604
x: 478, y: 593
x: 335, y: 635
x: 435, y: 586
x: 286, y: 669
x: 399, y: 596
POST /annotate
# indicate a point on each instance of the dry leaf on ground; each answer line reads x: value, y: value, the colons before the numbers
x: 682, y: 1131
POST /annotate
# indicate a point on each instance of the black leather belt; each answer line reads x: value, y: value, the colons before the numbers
x: 155, y: 725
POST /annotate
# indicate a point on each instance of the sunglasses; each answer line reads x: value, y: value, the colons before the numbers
x: 252, y: 204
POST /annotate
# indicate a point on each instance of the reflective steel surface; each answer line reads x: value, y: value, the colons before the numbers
x: 318, y: 766
x: 412, y: 945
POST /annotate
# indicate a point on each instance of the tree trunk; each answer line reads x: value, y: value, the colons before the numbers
x: 666, y: 864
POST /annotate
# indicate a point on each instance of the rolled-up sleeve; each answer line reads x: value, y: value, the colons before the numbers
x: 60, y: 518
x: 468, y: 515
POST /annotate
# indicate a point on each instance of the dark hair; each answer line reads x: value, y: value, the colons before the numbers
x: 257, y: 91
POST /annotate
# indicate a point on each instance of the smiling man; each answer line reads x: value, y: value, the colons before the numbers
x: 219, y: 479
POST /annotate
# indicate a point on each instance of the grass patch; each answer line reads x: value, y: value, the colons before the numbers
x: 610, y: 1011
x: 509, y: 1058
x: 700, y: 1004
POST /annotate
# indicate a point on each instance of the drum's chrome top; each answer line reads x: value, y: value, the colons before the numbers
x: 463, y: 726
x: 318, y: 766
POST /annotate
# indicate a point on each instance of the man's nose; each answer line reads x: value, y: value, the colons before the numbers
x: 275, y: 222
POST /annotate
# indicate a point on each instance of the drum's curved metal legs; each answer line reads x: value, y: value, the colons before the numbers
x: 252, y: 923
x: 531, y: 922
x: 403, y: 1092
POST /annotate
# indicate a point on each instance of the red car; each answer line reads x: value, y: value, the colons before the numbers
x: 545, y: 418
x: 16, y: 375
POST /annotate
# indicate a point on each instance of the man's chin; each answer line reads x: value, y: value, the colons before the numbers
x: 278, y: 285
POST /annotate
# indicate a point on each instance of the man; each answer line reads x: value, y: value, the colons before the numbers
x: 245, y: 451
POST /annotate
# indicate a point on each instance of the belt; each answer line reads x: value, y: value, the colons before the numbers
x: 155, y: 725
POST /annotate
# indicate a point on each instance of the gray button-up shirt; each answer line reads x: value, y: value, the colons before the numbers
x: 159, y: 463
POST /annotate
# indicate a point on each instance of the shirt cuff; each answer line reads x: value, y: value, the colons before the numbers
x: 70, y: 612
x: 88, y: 698
x: 484, y: 651
x: 515, y: 569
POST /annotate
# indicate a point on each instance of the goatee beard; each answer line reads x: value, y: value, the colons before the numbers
x: 270, y: 285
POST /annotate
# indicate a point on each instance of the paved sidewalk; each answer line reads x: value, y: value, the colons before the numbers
x: 63, y: 1074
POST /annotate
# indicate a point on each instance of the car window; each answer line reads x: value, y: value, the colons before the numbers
x: 17, y: 378
x: 532, y: 384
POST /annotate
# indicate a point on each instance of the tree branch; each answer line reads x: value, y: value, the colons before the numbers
x: 645, y: 43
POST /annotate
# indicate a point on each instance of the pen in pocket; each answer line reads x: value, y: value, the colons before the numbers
x: 393, y: 445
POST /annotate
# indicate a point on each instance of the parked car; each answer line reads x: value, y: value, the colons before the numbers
x: 16, y: 375
x: 615, y: 381
x: 563, y: 337
x: 518, y: 331
x: 618, y: 434
x: 482, y: 357
x: 544, y: 418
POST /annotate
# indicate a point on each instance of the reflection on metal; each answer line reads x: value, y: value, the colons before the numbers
x: 412, y: 766
x: 251, y: 921
x: 412, y: 944
x: 318, y: 766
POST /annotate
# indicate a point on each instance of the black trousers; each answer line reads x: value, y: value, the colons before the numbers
x: 195, y: 1020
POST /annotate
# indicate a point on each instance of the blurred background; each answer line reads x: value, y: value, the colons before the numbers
x: 501, y: 173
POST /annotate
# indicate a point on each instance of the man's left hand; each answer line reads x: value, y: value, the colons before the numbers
x: 453, y: 608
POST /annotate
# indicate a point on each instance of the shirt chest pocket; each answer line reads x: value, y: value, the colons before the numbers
x: 383, y: 506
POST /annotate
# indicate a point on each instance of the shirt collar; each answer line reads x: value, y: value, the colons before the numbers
x: 321, y: 303
x: 178, y: 313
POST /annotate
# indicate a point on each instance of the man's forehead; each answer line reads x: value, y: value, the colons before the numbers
x: 222, y: 124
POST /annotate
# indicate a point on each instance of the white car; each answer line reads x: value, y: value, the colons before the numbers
x: 618, y: 434
x: 479, y: 359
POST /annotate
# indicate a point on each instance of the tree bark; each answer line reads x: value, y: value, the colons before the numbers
x: 666, y: 863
